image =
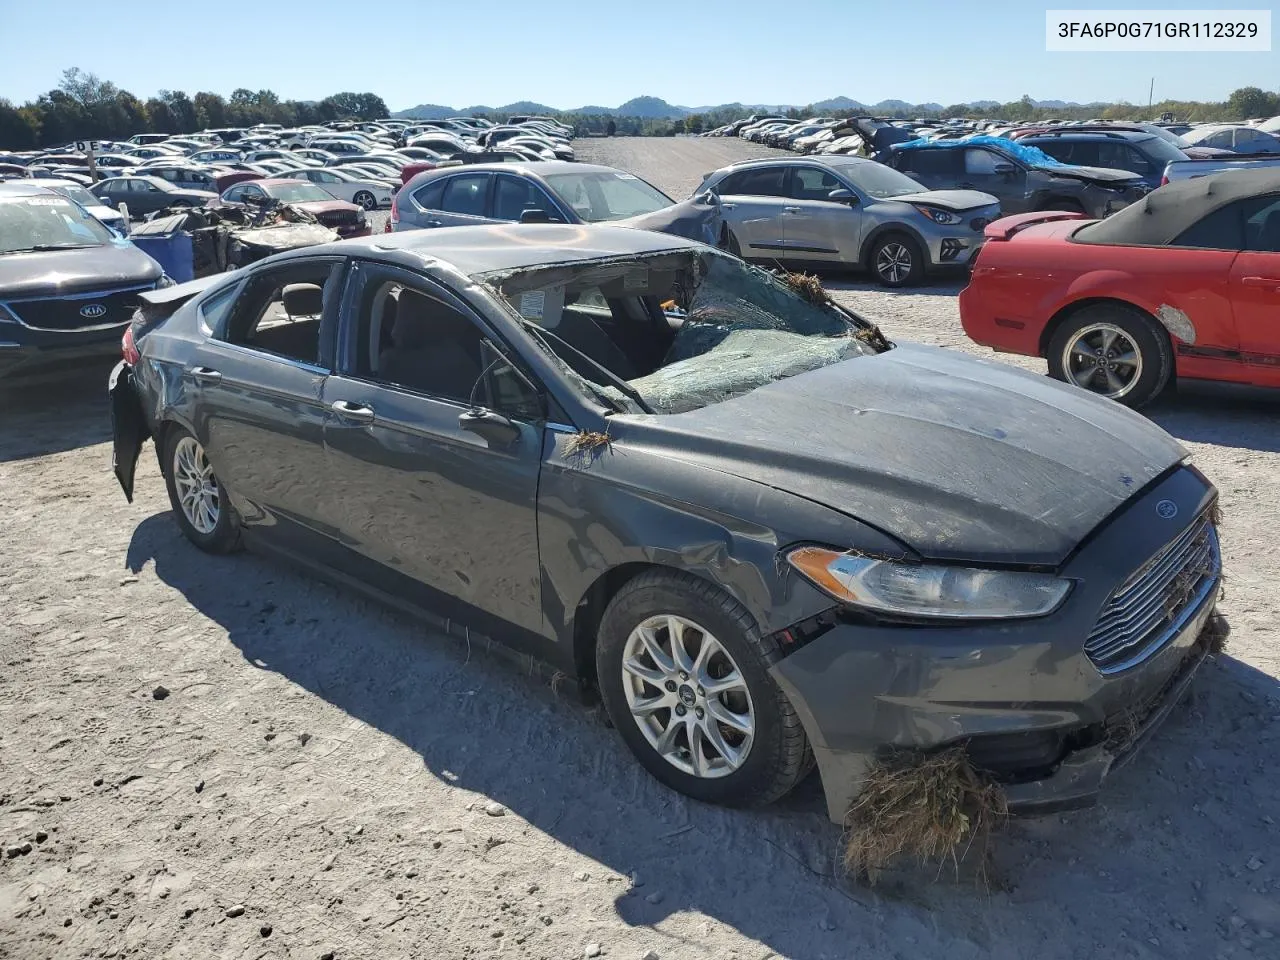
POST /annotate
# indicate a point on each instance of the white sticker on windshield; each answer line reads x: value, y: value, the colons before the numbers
x: 44, y: 201
x: 626, y: 176
x: 532, y: 304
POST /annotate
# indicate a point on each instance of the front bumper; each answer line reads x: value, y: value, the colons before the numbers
x: 26, y: 352
x: 1023, y: 697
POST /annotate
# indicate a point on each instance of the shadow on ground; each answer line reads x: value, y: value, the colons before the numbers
x: 1221, y: 414
x: 56, y: 414
x: 483, y: 725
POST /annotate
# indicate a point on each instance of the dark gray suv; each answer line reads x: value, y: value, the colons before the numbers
x: 1021, y: 186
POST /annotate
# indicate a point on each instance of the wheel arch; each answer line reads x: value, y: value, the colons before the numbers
x: 879, y: 232
x: 1069, y: 310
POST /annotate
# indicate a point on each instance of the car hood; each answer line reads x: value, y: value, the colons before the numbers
x: 951, y: 199
x: 1093, y: 174
x: 60, y: 273
x: 318, y: 207
x: 693, y: 219
x: 958, y: 458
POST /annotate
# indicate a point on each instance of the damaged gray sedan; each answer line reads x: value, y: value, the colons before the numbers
x: 765, y: 534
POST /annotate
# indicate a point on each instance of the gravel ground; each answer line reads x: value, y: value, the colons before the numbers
x: 216, y: 757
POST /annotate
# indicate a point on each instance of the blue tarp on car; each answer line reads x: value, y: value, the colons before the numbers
x: 1032, y: 156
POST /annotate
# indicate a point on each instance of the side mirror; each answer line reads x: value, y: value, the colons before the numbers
x: 1004, y: 169
x: 534, y: 216
x: 493, y: 427
x: 842, y: 195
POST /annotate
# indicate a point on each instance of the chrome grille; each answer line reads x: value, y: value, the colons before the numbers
x: 1149, y: 608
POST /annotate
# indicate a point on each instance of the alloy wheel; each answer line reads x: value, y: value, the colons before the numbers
x: 687, y: 696
x: 366, y: 200
x: 198, y: 492
x: 1102, y: 358
x: 893, y: 262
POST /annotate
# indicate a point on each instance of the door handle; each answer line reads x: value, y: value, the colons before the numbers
x: 727, y: 206
x: 205, y: 375
x: 790, y: 209
x: 1273, y: 282
x: 434, y: 223
x: 355, y: 412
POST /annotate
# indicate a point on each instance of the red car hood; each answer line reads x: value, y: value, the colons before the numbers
x: 318, y: 207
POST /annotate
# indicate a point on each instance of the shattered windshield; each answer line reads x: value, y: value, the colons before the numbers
x: 675, y: 331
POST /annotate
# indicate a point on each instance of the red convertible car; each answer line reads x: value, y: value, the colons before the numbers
x: 1184, y: 284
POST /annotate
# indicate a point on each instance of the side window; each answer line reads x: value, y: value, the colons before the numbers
x: 234, y: 195
x: 1262, y: 229
x: 514, y: 195
x: 279, y: 310
x: 429, y: 196
x: 407, y: 337
x: 466, y: 194
x: 759, y: 182
x: 810, y: 183
x: 980, y: 162
x: 1220, y: 139
x: 1221, y: 230
x: 946, y: 162
x: 1136, y: 162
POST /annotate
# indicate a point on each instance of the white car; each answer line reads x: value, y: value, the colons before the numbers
x: 369, y: 194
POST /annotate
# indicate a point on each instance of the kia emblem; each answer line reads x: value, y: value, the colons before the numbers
x: 1166, y: 509
x: 93, y: 311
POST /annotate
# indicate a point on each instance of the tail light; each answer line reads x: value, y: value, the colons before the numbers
x: 128, y: 348
x: 1164, y: 180
x: 395, y: 213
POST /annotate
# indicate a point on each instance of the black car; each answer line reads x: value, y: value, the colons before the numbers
x: 1143, y: 154
x: 68, y: 285
x: 1022, y: 180
x: 143, y: 195
x: 763, y: 532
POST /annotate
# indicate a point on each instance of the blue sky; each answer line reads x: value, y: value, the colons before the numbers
x: 567, y: 54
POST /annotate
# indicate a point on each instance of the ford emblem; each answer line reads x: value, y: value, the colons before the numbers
x: 93, y: 311
x: 1166, y: 509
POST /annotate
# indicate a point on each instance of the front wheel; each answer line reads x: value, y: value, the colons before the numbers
x: 683, y: 675
x: 199, y: 502
x: 897, y: 261
x: 366, y: 199
x: 1113, y: 351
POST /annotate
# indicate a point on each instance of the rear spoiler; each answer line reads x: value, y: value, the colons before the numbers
x: 1006, y: 227
x: 161, y: 304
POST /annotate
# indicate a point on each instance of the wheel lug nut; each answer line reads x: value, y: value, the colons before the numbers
x: 683, y: 675
x: 698, y: 713
x: 680, y: 710
x: 671, y: 686
x: 701, y: 692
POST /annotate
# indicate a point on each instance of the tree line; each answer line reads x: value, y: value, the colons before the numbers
x: 84, y: 107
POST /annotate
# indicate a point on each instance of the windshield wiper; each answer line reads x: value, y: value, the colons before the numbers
x: 613, y: 378
x: 46, y: 247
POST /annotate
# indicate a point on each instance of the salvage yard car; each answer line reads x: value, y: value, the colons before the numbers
x: 847, y: 210
x: 1181, y: 286
x: 68, y: 284
x: 143, y: 195
x: 552, y: 191
x: 346, y: 218
x: 766, y: 534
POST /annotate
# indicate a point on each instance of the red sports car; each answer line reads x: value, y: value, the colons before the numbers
x: 1184, y: 283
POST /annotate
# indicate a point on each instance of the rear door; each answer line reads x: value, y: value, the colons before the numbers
x: 465, y: 200
x: 428, y: 510
x: 257, y: 385
x: 815, y: 226
x: 752, y: 203
x: 1255, y: 283
x: 996, y: 174
x: 938, y: 169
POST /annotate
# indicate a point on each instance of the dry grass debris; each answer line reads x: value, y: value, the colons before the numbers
x: 586, y: 446
x: 1215, y: 633
x: 930, y: 807
x: 808, y: 286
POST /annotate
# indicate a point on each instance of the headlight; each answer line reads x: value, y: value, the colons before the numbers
x: 939, y: 216
x: 924, y: 590
x: 165, y: 281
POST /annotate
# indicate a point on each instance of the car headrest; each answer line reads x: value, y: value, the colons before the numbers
x: 302, y: 299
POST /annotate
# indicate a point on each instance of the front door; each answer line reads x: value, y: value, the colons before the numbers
x: 817, y: 227
x: 432, y: 512
x: 1255, y: 291
x: 997, y: 175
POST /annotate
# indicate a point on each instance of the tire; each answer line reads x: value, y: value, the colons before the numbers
x: 183, y: 455
x: 897, y: 261
x: 1121, y: 331
x: 365, y: 199
x: 771, y: 761
x: 1069, y: 206
x: 181, y: 204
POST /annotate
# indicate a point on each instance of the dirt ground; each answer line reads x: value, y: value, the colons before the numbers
x: 217, y: 757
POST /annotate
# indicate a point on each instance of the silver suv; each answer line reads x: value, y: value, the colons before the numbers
x: 848, y: 210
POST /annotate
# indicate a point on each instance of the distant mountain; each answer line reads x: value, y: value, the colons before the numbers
x: 654, y: 107
x: 426, y: 111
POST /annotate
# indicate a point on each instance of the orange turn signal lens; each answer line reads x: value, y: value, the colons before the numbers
x: 815, y: 563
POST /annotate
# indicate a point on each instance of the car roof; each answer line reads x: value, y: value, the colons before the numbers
x: 1093, y: 136
x: 475, y: 250
x: 273, y: 181
x: 1163, y: 214
x: 826, y: 160
x: 537, y: 167
x: 17, y: 188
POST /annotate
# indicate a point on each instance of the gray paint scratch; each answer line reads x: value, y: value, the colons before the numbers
x: 1177, y: 323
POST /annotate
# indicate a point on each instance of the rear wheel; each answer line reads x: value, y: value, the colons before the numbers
x: 366, y: 200
x: 199, y: 504
x: 1114, y: 351
x: 683, y: 674
x: 897, y: 261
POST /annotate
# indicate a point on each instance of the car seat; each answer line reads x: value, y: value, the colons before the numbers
x: 434, y: 348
